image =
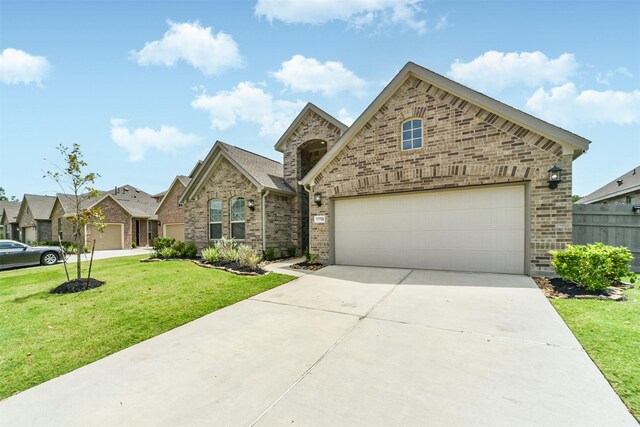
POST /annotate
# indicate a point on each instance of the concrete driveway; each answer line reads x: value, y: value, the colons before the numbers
x: 347, y: 346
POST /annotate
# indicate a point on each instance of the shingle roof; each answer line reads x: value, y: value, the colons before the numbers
x: 67, y: 201
x: 627, y: 183
x: 268, y: 173
x: 40, y: 205
x: 10, y: 209
x: 136, y: 201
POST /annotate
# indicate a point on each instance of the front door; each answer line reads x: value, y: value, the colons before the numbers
x: 137, y: 232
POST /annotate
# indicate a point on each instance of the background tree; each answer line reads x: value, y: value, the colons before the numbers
x: 575, y: 198
x: 4, y: 197
x: 78, y: 186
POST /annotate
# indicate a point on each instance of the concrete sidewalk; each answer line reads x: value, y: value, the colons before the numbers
x: 347, y: 346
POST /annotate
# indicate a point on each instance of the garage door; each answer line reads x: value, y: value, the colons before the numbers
x: 174, y: 230
x: 480, y: 229
x: 29, y: 234
x: 110, y: 238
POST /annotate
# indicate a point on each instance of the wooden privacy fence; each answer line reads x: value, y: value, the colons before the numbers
x: 614, y: 225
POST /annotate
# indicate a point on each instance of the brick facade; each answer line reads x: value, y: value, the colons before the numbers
x: 296, y: 165
x: 278, y: 224
x: 463, y: 146
x: 225, y: 183
x: 57, y: 219
x: 113, y: 214
x: 170, y: 212
x: 42, y: 226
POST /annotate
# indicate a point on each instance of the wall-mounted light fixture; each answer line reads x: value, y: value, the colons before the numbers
x: 555, y: 176
x: 635, y: 208
x: 251, y: 204
x: 317, y: 198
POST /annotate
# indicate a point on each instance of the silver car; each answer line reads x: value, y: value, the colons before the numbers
x: 16, y: 254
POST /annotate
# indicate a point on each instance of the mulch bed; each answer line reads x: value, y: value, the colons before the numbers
x: 77, y: 285
x: 557, y: 288
x: 232, y: 267
x: 312, y: 266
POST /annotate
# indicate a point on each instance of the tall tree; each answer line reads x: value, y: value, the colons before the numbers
x: 77, y: 184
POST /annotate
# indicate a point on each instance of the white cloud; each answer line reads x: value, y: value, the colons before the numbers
x: 190, y: 42
x: 168, y: 139
x: 494, y: 71
x: 302, y: 74
x: 248, y: 102
x: 17, y: 66
x: 565, y: 105
x: 604, y: 78
x: 358, y: 13
x: 345, y: 117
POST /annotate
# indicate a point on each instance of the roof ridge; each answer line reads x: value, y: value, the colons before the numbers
x: 249, y: 152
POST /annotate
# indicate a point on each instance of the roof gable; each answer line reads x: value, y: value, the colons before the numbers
x: 39, y: 206
x: 627, y: 183
x: 178, y: 180
x: 569, y: 141
x: 9, y: 209
x: 264, y: 173
x: 300, y: 118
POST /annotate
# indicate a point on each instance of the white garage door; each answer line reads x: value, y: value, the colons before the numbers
x: 29, y: 234
x: 110, y: 238
x: 480, y: 229
x: 174, y: 230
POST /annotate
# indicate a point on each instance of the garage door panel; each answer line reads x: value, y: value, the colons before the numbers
x: 479, y: 229
x: 174, y: 230
x: 110, y: 238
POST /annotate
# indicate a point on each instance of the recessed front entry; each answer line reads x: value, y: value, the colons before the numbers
x: 479, y: 229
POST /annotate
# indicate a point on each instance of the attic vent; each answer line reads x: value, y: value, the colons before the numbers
x: 620, y: 182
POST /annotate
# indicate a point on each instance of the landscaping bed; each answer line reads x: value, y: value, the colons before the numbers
x: 233, y: 267
x: 76, y: 285
x: 558, y: 288
x: 305, y: 265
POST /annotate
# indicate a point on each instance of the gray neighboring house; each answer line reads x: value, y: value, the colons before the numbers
x: 9, y: 219
x: 34, y: 218
x: 624, y: 190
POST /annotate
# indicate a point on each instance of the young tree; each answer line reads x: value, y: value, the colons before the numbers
x: 78, y: 186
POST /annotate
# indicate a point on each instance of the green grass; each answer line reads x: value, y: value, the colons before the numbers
x: 43, y: 336
x: 610, y: 333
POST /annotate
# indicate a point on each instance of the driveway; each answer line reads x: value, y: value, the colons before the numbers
x: 112, y: 253
x: 347, y: 346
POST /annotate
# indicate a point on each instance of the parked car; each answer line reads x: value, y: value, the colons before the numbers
x: 16, y: 254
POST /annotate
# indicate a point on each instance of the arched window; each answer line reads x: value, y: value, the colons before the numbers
x: 412, y: 134
x: 215, y: 219
x: 238, y: 217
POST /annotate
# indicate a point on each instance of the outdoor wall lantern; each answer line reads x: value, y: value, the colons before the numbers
x: 555, y: 176
x: 317, y: 197
x: 251, y: 204
x: 635, y: 208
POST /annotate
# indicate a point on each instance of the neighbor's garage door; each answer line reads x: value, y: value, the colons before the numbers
x: 480, y: 229
x: 174, y: 230
x: 29, y: 234
x: 111, y: 237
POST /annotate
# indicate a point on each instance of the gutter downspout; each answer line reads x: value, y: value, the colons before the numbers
x: 264, y: 221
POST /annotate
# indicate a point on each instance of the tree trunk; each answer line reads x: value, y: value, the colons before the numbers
x: 80, y: 246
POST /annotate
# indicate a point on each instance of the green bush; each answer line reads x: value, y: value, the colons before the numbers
x: 594, y: 267
x: 291, y: 251
x: 248, y: 256
x: 180, y: 248
x: 190, y: 250
x: 227, y: 249
x: 210, y: 254
x: 168, y: 253
x: 309, y: 257
x: 270, y: 254
x: 160, y: 243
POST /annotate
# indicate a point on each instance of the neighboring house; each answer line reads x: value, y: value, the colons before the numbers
x: 623, y: 190
x: 432, y: 175
x: 34, y: 218
x: 9, y: 219
x: 129, y: 218
x: 170, y: 211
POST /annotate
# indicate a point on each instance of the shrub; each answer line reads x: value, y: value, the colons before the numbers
x: 160, y: 243
x: 210, y: 254
x: 227, y: 249
x: 291, y: 251
x: 309, y: 257
x: 248, y: 256
x: 168, y: 253
x: 180, y: 248
x: 270, y: 254
x: 133, y: 245
x: 190, y: 250
x: 594, y: 267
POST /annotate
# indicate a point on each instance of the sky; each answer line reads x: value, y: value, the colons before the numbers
x: 146, y: 88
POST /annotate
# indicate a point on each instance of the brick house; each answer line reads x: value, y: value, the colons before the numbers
x: 170, y: 211
x: 431, y: 175
x: 33, y: 218
x: 129, y: 215
x: 9, y: 219
x: 624, y: 190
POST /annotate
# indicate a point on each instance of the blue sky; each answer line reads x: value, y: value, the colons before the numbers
x: 146, y: 88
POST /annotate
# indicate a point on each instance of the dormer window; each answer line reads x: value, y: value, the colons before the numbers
x: 412, y: 134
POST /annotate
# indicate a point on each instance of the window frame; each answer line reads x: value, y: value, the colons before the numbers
x: 244, y: 215
x: 214, y: 222
x: 412, y: 138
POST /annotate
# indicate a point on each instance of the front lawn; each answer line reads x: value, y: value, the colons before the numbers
x: 43, y: 336
x: 610, y: 333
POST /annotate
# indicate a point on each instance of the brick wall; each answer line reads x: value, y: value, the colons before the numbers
x: 113, y: 214
x: 169, y: 212
x: 278, y: 224
x: 43, y: 230
x: 312, y: 127
x: 225, y: 183
x: 67, y: 226
x: 463, y: 146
